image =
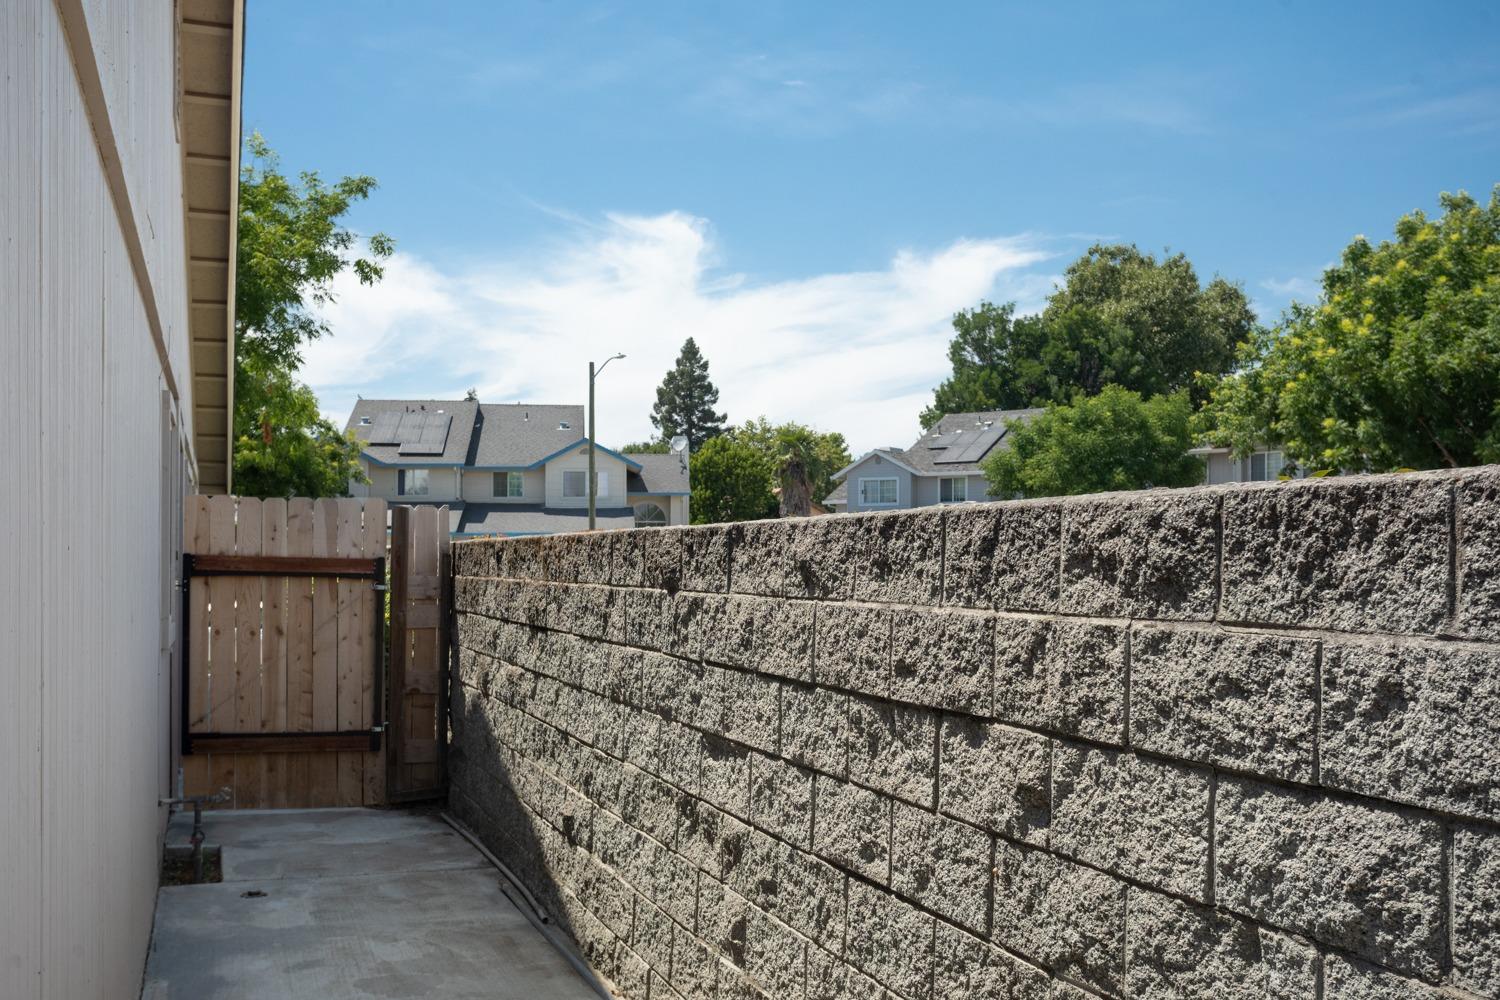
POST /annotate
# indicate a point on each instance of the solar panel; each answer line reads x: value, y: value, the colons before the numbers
x: 383, y: 431
x: 429, y: 433
x: 970, y: 445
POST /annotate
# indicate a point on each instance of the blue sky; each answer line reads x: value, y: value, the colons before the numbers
x: 812, y: 189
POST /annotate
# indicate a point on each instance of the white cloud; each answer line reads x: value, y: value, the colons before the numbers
x: 1305, y: 289
x: 857, y: 352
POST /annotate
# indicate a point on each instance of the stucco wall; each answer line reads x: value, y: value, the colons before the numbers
x: 1227, y: 742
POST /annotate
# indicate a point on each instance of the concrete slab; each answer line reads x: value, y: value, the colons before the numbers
x: 322, y: 905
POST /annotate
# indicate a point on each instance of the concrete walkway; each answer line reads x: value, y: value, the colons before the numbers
x: 339, y: 904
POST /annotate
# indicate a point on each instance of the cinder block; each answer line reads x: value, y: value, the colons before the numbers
x: 890, y: 940
x: 674, y: 688
x: 893, y: 748
x: 725, y: 779
x: 580, y: 558
x: 1476, y: 910
x: 814, y: 728
x: 1416, y: 723
x: 821, y: 553
x: 711, y: 839
x: 728, y: 630
x: 995, y: 777
x: 688, y: 619
x: 1233, y: 699
x: 1344, y: 979
x: 966, y: 967
x: 852, y: 828
x: 649, y: 804
x: 1141, y: 555
x: 760, y: 559
x: 1062, y: 675
x: 723, y: 920
x: 854, y: 648
x: 804, y: 892
x: 1067, y: 918
x: 784, y: 639
x: 523, y: 558
x: 706, y: 553
x: 1358, y: 877
x: 943, y: 864
x: 654, y: 934
x: 750, y: 708
x: 1131, y: 816
x: 943, y: 658
x: 1353, y: 554
x: 781, y: 799
x: 1175, y: 949
x: 900, y: 557
x: 645, y: 558
x: 1477, y: 496
x: 648, y: 619
x: 1004, y: 556
x: 828, y: 978
x: 777, y: 961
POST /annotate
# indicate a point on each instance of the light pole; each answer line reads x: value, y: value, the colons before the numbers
x: 594, y: 486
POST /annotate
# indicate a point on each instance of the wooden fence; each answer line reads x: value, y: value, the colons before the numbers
x: 421, y: 578
x: 272, y: 651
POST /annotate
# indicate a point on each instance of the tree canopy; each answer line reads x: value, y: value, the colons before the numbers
x: 1114, y: 440
x: 686, y: 398
x: 731, y: 482
x: 1121, y: 317
x: 291, y: 246
x: 819, y: 454
x: 1396, y: 366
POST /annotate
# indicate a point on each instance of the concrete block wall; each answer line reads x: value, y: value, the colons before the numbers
x: 1229, y: 742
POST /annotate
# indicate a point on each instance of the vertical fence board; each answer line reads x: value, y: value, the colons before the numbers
x: 299, y: 651
x: 248, y: 768
x: 374, y: 548
x: 323, y: 780
x: 353, y: 659
x: 273, y: 649
x: 419, y: 541
x: 196, y: 779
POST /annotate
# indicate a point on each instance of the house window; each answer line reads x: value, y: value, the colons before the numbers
x: 507, y: 484
x: 574, y: 484
x: 955, y: 490
x: 414, y: 483
x: 650, y: 515
x: 877, y: 492
x: 1266, y: 465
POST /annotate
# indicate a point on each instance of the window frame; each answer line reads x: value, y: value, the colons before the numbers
x: 407, y: 475
x: 895, y: 482
x: 1265, y: 456
x: 665, y: 517
x: 583, y: 477
x: 511, y: 479
x: 948, y: 482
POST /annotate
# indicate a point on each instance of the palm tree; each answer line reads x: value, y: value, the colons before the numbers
x: 796, y: 457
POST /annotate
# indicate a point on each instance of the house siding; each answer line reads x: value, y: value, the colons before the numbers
x: 578, y: 459
x: 928, y: 489
x: 879, y: 467
x: 97, y: 401
x: 478, y: 487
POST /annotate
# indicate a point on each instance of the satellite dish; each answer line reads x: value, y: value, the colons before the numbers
x: 679, y: 444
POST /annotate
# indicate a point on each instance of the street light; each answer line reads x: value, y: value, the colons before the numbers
x: 594, y: 486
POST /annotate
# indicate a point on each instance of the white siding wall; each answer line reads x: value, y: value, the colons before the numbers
x: 89, y: 532
x: 578, y: 458
x: 442, y: 484
x: 878, y: 467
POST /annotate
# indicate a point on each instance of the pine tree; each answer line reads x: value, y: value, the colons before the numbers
x: 685, y: 400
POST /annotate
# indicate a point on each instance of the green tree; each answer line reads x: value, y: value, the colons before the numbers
x: 1398, y: 364
x: 820, y: 453
x: 686, y: 398
x: 1114, y: 440
x: 731, y: 482
x: 1120, y: 318
x: 291, y: 246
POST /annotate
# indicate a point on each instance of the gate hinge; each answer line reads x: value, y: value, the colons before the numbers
x: 379, y: 586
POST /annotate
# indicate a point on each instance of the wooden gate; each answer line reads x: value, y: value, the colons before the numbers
x: 420, y: 580
x: 284, y: 686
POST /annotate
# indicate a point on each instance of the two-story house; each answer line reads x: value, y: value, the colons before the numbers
x: 942, y: 467
x: 510, y: 468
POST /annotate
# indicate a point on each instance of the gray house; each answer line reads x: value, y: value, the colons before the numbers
x: 942, y: 467
x: 510, y: 468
